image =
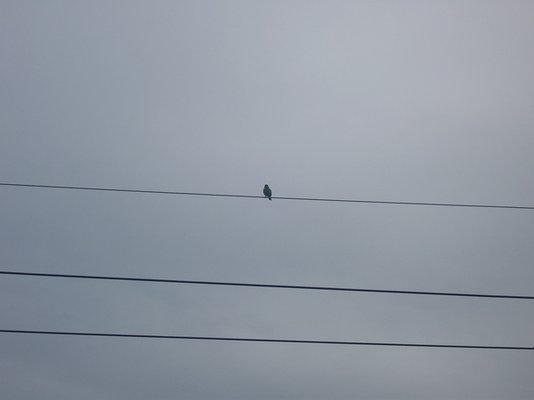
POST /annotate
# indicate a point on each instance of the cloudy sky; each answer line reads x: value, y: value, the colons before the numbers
x: 383, y: 100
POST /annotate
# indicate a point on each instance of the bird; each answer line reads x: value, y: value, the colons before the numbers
x: 267, y: 192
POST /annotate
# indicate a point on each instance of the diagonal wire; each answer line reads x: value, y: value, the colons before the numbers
x: 266, y: 285
x: 262, y: 340
x: 204, y: 194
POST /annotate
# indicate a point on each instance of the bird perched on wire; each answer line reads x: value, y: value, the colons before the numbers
x: 267, y: 192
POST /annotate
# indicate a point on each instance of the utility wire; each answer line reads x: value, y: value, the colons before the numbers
x: 404, y: 203
x: 261, y: 340
x: 266, y: 285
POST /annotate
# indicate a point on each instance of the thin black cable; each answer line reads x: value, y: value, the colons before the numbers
x: 404, y: 203
x: 262, y: 340
x: 266, y: 285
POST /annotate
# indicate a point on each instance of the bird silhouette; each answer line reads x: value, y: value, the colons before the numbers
x: 267, y: 192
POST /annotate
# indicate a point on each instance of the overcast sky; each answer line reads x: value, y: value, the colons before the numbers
x: 382, y: 100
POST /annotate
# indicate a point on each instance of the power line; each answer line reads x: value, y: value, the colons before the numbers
x: 262, y: 340
x: 202, y: 194
x: 266, y: 285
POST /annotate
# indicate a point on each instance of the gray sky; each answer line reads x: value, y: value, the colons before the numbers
x: 385, y: 100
